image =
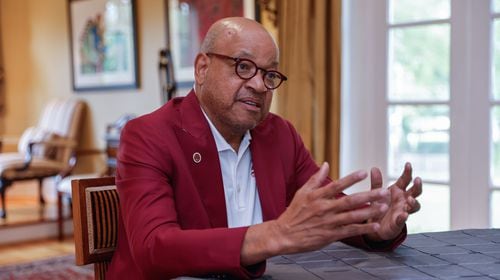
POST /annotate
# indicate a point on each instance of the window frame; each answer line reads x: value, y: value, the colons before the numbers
x: 364, y: 128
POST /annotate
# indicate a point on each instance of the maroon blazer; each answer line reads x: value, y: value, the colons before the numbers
x: 173, y: 213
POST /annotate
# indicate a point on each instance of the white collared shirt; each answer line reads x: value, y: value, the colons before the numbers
x: 240, y: 190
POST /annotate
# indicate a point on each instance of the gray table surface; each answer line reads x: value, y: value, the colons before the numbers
x: 472, y: 254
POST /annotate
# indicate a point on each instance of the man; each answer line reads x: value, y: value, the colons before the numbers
x: 211, y: 185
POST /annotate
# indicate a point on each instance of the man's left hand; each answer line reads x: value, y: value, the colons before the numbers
x: 402, y: 203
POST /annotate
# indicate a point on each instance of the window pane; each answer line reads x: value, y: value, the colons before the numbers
x: 420, y: 135
x: 496, y: 59
x: 418, y: 10
x: 495, y: 209
x: 435, y: 212
x: 496, y: 6
x: 419, y: 63
x: 495, y: 146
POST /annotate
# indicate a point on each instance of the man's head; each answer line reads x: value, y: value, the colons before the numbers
x: 234, y: 102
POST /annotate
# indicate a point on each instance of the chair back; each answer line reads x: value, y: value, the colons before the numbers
x: 96, y: 207
x: 60, y: 120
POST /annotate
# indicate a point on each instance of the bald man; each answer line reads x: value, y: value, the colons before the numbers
x: 212, y: 184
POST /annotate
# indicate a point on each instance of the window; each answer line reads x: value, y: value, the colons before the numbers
x: 418, y: 94
x: 419, y: 85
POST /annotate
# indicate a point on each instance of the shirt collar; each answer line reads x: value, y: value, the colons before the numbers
x: 221, y: 143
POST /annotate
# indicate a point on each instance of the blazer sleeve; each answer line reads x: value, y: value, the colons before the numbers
x: 159, y: 247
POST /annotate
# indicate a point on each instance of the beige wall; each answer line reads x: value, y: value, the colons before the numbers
x: 36, y: 49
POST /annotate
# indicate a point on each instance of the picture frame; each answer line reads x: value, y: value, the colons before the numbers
x: 103, y: 40
x: 187, y: 23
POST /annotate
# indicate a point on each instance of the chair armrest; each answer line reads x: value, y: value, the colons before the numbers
x: 72, y: 161
x: 58, y: 143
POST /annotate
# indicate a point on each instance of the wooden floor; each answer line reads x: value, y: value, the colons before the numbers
x: 22, y: 203
x: 31, y: 251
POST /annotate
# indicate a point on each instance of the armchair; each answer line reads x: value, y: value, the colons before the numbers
x: 44, y: 150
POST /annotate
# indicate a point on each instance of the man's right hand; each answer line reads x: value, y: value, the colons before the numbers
x: 317, y: 216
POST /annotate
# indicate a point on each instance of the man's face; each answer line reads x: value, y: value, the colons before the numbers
x: 233, y: 104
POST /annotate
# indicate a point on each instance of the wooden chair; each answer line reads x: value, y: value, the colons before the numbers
x: 96, y: 208
x: 63, y: 187
x: 64, y: 179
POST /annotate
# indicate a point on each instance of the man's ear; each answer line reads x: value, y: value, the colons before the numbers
x: 201, y: 68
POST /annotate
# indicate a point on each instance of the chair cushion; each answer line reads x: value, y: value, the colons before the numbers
x: 10, y: 161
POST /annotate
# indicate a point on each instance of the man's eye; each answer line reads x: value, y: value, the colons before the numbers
x: 273, y: 76
x: 244, y: 66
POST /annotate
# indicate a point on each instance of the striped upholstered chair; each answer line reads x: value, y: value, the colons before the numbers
x: 96, y: 208
x: 44, y: 150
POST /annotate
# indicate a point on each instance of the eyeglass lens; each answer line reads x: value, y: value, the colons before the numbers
x: 247, y: 69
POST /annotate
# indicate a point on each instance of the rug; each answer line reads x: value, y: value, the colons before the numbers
x: 54, y: 268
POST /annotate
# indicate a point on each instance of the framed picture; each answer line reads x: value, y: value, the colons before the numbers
x: 188, y: 22
x: 103, y: 44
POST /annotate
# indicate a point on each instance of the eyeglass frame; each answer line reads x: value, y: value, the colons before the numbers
x: 238, y: 60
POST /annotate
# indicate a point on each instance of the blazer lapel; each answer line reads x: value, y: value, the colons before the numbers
x: 268, y: 172
x: 201, y: 154
x: 196, y: 138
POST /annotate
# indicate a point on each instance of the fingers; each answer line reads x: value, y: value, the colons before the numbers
x: 318, y: 178
x: 414, y: 205
x: 416, y: 189
x: 401, y: 220
x: 359, y: 200
x: 392, y: 226
x: 414, y: 192
x: 415, y: 208
x: 405, y: 178
x: 359, y: 215
x: 376, y: 178
x: 336, y: 187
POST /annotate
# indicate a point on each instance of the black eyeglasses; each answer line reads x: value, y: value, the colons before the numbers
x: 247, y: 69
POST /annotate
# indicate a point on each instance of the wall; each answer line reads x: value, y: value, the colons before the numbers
x: 35, y: 37
x: 16, y: 47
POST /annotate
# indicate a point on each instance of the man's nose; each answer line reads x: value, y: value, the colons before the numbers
x: 257, y: 82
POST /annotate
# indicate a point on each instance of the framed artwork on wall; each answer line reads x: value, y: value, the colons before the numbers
x: 103, y: 44
x: 188, y: 22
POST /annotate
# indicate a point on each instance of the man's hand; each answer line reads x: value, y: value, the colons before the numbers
x: 317, y: 216
x: 401, y: 203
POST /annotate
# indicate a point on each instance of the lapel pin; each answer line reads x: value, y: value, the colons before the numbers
x: 197, y: 157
